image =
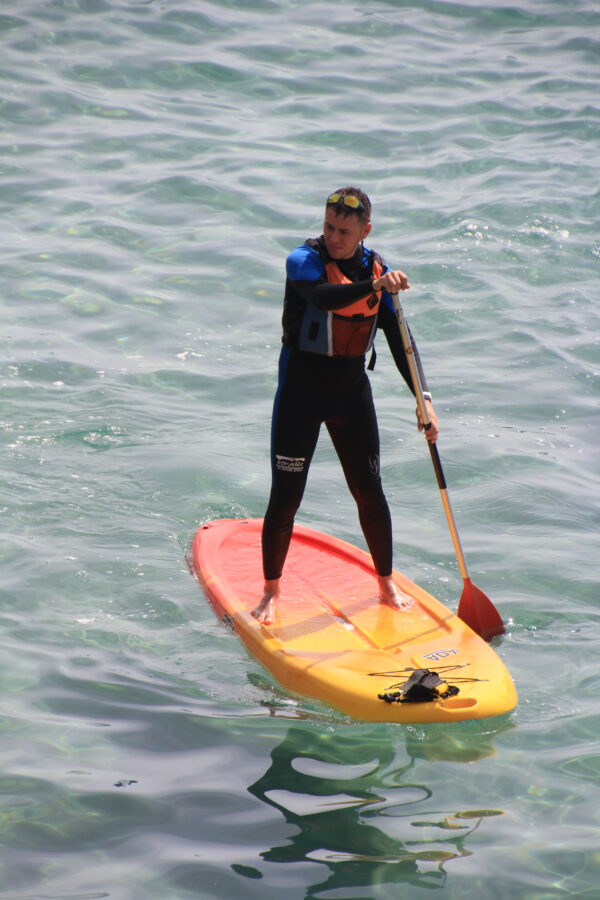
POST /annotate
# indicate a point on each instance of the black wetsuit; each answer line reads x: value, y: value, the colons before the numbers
x: 315, y: 389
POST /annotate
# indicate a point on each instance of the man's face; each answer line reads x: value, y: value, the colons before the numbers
x: 342, y: 233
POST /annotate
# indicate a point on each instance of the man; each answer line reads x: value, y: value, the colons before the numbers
x: 337, y: 294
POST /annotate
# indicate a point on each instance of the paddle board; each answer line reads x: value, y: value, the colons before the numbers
x: 333, y: 640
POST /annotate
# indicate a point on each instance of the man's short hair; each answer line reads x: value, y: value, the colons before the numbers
x: 363, y: 211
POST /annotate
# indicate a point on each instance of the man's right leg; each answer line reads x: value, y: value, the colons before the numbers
x: 295, y: 432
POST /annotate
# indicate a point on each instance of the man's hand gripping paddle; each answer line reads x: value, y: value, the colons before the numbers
x: 474, y: 607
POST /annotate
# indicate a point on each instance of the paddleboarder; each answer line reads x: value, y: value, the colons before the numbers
x: 338, y: 293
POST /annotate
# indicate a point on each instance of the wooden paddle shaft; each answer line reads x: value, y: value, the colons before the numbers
x: 433, y: 450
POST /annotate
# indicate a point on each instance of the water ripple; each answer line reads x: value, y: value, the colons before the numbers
x: 158, y: 162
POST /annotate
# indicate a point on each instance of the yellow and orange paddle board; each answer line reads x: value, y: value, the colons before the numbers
x: 333, y: 640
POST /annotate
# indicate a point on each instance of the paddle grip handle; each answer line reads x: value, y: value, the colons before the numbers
x: 435, y: 456
x: 412, y: 365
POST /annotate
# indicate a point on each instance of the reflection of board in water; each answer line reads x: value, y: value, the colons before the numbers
x: 333, y: 639
x: 350, y: 814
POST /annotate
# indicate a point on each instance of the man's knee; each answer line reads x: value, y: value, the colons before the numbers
x: 369, y: 495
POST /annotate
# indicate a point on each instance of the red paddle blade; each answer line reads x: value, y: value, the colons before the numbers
x: 478, y: 612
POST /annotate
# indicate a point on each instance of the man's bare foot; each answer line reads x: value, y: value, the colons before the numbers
x: 391, y: 595
x: 266, y: 609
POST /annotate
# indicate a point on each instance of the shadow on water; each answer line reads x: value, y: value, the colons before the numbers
x: 358, y: 811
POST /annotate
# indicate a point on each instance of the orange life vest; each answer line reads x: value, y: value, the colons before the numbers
x: 347, y: 332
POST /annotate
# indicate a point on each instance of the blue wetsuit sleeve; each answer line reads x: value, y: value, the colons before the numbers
x: 304, y: 264
x: 306, y: 271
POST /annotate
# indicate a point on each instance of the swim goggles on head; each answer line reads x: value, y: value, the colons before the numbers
x: 347, y: 199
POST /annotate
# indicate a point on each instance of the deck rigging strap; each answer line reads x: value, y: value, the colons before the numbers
x: 422, y: 686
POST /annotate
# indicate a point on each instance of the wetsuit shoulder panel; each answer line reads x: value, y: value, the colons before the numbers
x: 304, y: 264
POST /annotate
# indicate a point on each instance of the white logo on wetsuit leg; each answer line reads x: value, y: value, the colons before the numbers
x: 290, y: 463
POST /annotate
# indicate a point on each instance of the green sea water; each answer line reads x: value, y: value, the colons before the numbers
x: 158, y: 160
